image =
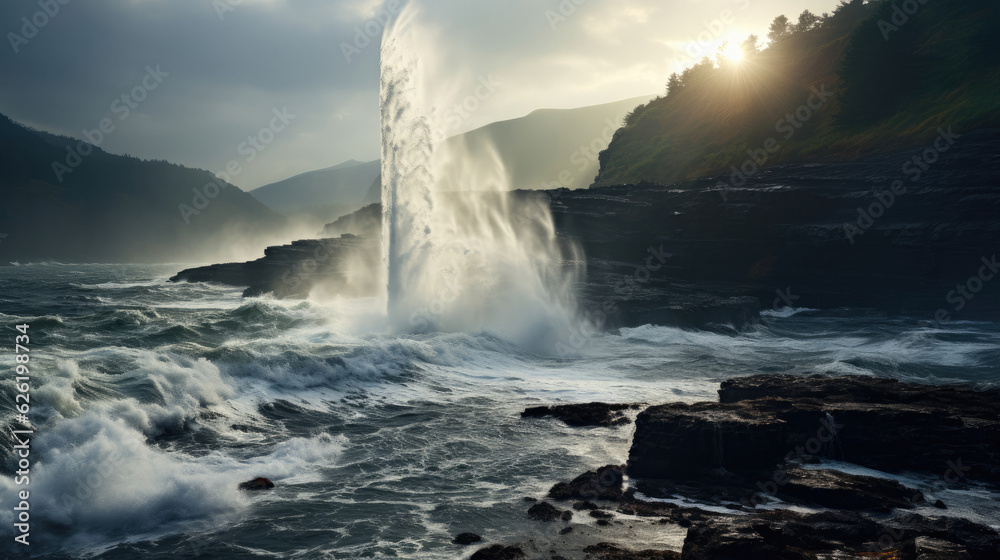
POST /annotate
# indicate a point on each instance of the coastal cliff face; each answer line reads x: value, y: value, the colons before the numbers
x: 895, y: 234
x: 911, y: 233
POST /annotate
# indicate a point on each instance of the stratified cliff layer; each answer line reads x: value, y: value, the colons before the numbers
x: 915, y: 233
x: 890, y: 233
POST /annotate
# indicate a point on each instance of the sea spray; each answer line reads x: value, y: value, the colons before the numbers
x: 461, y: 251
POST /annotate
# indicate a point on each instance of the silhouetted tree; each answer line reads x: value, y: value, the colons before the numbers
x: 849, y: 6
x: 698, y: 73
x: 632, y: 116
x: 749, y: 46
x: 779, y: 29
x: 674, y: 84
x: 807, y: 20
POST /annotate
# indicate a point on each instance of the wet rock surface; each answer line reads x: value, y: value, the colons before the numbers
x: 466, y: 538
x: 604, y: 483
x: 763, y: 420
x: 607, y: 551
x: 928, y: 548
x: 544, y: 511
x: 498, y: 552
x: 584, y: 414
x: 259, y: 483
x: 794, y: 536
x: 781, y: 441
x: 837, y: 490
x: 292, y: 271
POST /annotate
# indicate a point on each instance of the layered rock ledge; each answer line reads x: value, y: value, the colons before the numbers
x: 877, y: 423
x: 774, y: 471
x: 348, y: 265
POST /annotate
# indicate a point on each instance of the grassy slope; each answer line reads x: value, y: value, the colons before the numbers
x: 940, y: 69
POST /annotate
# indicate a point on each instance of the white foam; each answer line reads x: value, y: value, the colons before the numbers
x: 785, y: 312
x: 97, y: 476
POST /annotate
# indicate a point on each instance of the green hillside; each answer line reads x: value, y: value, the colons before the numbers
x: 888, y: 80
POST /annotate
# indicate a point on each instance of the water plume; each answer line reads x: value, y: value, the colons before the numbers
x: 461, y: 251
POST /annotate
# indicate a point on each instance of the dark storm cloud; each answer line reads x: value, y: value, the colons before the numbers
x: 227, y: 73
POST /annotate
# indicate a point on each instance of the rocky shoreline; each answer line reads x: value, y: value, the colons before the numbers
x: 781, y: 467
x: 706, y: 255
x: 347, y: 265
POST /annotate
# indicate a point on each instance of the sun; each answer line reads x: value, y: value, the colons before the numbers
x: 732, y: 52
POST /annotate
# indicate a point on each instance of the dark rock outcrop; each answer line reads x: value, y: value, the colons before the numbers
x: 498, y: 552
x: 585, y: 414
x: 466, y: 538
x: 544, y: 511
x: 793, y: 536
x: 366, y: 222
x: 603, y: 484
x: 607, y: 551
x: 928, y: 548
x: 347, y: 266
x: 837, y: 490
x: 259, y: 483
x: 889, y: 426
x: 780, y: 239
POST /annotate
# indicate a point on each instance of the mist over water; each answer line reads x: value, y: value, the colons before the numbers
x: 462, y: 254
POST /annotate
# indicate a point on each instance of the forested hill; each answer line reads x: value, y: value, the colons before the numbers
x: 869, y: 78
x: 66, y: 200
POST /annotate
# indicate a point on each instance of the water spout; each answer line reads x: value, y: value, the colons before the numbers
x: 461, y: 252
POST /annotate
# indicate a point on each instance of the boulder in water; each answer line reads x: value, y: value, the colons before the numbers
x: 603, y: 484
x: 466, y: 538
x: 584, y: 414
x: 544, y: 511
x: 259, y: 483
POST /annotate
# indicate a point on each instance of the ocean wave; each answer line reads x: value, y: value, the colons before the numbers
x: 119, y: 285
x: 96, y: 477
x: 785, y: 312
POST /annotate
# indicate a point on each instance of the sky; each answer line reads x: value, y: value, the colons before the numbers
x: 288, y: 86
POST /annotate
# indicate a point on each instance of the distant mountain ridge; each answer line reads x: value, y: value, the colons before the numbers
x: 323, y: 193
x: 547, y: 148
x: 65, y: 202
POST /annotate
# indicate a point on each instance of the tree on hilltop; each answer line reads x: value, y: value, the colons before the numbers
x: 779, y: 29
x: 807, y: 20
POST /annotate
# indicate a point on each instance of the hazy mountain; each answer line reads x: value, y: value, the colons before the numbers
x: 548, y: 148
x: 65, y: 201
x: 324, y: 193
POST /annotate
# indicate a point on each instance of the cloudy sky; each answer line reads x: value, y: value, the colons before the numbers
x: 224, y: 66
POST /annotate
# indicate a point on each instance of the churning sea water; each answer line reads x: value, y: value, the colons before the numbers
x: 151, y: 401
